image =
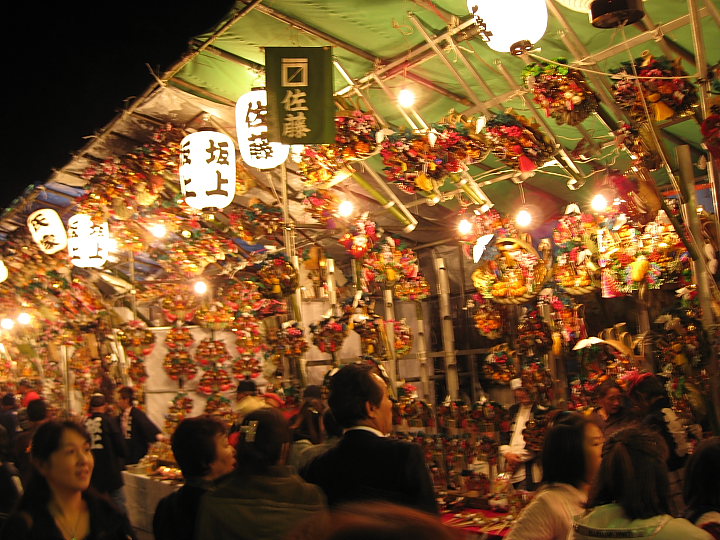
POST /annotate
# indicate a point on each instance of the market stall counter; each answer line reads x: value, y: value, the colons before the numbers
x: 479, y: 524
x: 142, y: 493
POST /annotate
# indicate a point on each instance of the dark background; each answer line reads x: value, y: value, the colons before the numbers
x: 69, y: 67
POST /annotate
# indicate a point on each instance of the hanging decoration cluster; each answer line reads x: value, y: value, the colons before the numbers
x: 518, y: 142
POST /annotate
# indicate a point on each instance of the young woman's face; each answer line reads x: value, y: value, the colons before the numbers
x: 70, y: 467
x: 225, y: 457
x: 593, y: 443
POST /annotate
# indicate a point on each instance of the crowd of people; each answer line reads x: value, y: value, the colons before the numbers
x: 329, y: 470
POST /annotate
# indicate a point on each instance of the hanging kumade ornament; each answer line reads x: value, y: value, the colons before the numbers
x: 638, y: 142
x: 662, y: 87
x: 212, y: 352
x: 561, y: 91
x: 412, y: 289
x: 256, y: 221
x: 403, y: 338
x: 361, y: 237
x: 329, y: 334
x: 179, y: 364
x: 180, y: 407
x: 220, y: 407
x: 576, y: 264
x: 322, y: 205
x: 488, y: 318
x: 518, y: 143
x: 278, y: 278
x: 215, y: 316
x: 214, y: 379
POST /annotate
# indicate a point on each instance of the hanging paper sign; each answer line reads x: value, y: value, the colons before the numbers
x: 252, y: 130
x: 3, y: 271
x: 47, y: 230
x: 87, y: 242
x: 207, y: 169
x: 301, y: 109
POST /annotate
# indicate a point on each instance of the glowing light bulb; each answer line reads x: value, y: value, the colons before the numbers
x: 158, y: 230
x: 465, y: 227
x: 523, y: 218
x: 24, y: 318
x: 346, y: 209
x: 406, y: 98
x: 599, y: 203
x: 200, y: 287
x: 7, y: 324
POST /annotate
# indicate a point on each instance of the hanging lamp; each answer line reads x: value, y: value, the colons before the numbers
x: 509, y: 25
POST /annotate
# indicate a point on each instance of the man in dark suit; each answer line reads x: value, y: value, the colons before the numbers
x: 138, y: 430
x: 365, y: 465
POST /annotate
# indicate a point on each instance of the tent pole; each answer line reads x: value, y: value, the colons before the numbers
x: 704, y: 86
x: 360, y: 94
x: 700, y: 272
x: 393, y: 99
x: 394, y: 198
x: 390, y: 335
x: 421, y: 351
x: 448, y: 335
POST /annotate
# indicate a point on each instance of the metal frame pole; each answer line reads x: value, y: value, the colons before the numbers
x: 448, y: 333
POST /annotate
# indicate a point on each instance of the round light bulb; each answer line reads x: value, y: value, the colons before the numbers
x: 465, y: 227
x: 599, y: 203
x: 7, y: 324
x: 346, y: 209
x: 158, y: 230
x: 24, y: 318
x: 523, y: 218
x: 200, y: 287
x: 406, y: 98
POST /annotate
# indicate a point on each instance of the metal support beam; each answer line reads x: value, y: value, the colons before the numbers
x: 390, y: 334
x: 448, y: 335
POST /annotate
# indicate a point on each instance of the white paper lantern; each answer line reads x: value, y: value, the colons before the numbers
x: 251, y: 124
x: 207, y: 169
x: 3, y: 271
x: 510, y: 21
x: 47, y: 230
x: 87, y: 241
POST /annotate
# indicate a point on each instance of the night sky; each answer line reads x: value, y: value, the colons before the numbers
x: 70, y: 66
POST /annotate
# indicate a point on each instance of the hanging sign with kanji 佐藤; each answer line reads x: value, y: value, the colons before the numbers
x: 87, y: 241
x: 47, y: 230
x: 301, y: 109
x: 252, y: 131
x: 207, y: 169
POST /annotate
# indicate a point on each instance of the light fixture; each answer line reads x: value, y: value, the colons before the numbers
x: 465, y: 226
x: 581, y: 6
x: 406, y: 98
x: 251, y: 124
x: 524, y: 217
x: 599, y: 202
x: 7, y: 324
x: 3, y: 272
x: 200, y: 287
x: 207, y: 169
x: 158, y: 230
x: 87, y: 241
x: 346, y: 209
x: 504, y: 24
x: 47, y: 230
x: 24, y: 318
x: 614, y: 13
x: 432, y: 201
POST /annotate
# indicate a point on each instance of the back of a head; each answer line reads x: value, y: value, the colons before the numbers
x: 350, y: 389
x: 563, y: 455
x: 633, y: 474
x: 9, y: 400
x: 37, y: 410
x: 127, y: 392
x: 262, y: 436
x: 374, y: 519
x: 193, y: 444
x: 702, y: 477
x: 649, y: 387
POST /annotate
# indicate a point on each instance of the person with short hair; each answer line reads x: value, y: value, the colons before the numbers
x: 138, y: 430
x: 263, y: 498
x: 571, y: 456
x: 202, y: 451
x: 611, y: 413
x: 57, y: 503
x: 629, y: 498
x: 520, y: 461
x: 27, y: 392
x: 37, y: 413
x: 246, y: 400
x: 365, y: 464
x: 108, y: 448
x: 702, y: 486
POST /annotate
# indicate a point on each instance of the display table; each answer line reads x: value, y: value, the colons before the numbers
x: 142, y: 494
x: 489, y: 525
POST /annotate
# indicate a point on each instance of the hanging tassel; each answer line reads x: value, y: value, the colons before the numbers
x: 526, y: 164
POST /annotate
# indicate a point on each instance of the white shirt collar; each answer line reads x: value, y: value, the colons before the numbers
x: 365, y: 428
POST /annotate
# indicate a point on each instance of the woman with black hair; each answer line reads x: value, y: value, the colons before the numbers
x: 263, y: 499
x: 570, y: 458
x: 702, y: 486
x: 629, y: 498
x: 57, y: 504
